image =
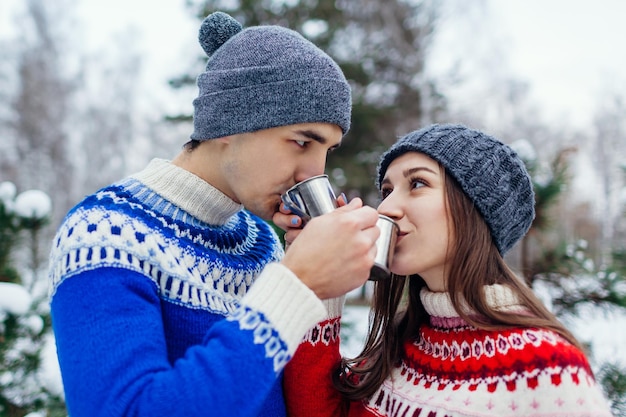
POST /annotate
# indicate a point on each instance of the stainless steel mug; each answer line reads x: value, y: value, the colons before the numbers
x: 385, y: 245
x: 311, y: 197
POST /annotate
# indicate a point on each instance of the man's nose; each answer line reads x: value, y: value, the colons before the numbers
x: 311, y: 167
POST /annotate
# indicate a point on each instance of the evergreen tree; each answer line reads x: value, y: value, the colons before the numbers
x: 382, y: 48
x: 565, y: 267
x: 612, y: 375
x: 24, y: 319
x: 565, y: 273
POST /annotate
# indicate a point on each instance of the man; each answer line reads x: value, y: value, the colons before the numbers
x: 169, y: 299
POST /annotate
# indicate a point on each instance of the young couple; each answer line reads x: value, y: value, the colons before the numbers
x: 171, y: 296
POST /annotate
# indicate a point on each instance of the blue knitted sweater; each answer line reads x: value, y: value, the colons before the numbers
x: 154, y: 308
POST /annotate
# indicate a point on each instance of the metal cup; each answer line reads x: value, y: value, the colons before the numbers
x: 311, y: 197
x: 385, y: 245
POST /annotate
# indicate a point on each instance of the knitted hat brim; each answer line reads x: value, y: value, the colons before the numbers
x: 229, y: 112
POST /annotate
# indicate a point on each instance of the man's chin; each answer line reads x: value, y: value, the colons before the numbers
x: 265, y: 213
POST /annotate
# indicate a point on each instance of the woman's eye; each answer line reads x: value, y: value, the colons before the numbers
x: 301, y: 143
x: 384, y: 193
x: 417, y: 183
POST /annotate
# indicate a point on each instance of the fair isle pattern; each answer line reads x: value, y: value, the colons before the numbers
x: 264, y: 334
x: 452, y: 369
x: 129, y: 226
x: 325, y: 332
x: 471, y: 372
x: 500, y: 344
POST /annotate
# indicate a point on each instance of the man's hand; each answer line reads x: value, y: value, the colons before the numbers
x: 293, y: 224
x: 334, y: 253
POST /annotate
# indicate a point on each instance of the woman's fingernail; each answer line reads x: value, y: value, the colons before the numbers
x: 345, y: 199
x: 294, y: 221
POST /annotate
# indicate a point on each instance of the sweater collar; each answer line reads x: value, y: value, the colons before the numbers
x: 499, y: 297
x: 188, y: 192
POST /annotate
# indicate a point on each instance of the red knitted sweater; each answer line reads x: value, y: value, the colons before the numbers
x: 454, y: 369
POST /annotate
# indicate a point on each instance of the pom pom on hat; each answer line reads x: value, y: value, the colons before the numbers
x: 263, y: 77
x: 489, y: 172
x: 216, y: 29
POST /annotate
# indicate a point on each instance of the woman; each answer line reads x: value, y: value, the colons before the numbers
x: 454, y: 332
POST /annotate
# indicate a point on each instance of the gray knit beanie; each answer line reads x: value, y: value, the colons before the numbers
x: 263, y: 77
x: 488, y: 171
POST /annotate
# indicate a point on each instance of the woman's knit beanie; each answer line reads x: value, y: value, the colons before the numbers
x: 263, y: 77
x: 489, y: 172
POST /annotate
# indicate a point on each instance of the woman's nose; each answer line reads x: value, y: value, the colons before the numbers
x: 390, y: 207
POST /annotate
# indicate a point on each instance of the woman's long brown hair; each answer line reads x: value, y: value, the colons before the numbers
x: 397, y: 311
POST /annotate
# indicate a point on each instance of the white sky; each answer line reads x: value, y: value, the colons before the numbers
x: 570, y: 50
x: 167, y: 32
x: 567, y: 50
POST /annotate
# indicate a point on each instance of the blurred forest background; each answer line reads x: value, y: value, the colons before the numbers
x: 72, y: 123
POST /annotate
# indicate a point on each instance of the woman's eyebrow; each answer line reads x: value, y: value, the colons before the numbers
x: 410, y: 171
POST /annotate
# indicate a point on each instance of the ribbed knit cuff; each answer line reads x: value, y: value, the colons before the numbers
x: 286, y: 302
x: 334, y: 307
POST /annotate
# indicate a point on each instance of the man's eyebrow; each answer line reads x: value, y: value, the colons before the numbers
x: 316, y: 137
x: 312, y: 135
